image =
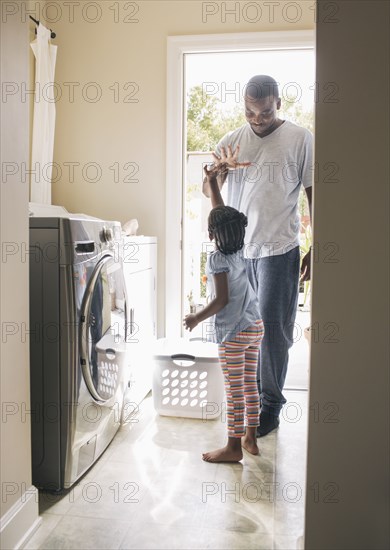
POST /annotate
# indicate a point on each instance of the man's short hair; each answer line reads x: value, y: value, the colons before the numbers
x: 261, y: 86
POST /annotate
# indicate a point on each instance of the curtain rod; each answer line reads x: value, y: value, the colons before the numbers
x: 52, y: 35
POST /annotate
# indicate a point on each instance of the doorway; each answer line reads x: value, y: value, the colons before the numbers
x: 213, y: 89
x: 197, y: 79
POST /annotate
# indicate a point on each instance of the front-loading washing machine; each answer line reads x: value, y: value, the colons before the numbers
x: 78, y: 326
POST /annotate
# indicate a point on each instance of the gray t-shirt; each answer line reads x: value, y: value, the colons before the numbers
x: 268, y: 190
x: 242, y: 310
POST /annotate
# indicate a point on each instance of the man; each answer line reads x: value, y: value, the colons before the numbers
x: 267, y: 190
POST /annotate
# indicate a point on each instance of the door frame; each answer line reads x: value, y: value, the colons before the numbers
x: 177, y: 47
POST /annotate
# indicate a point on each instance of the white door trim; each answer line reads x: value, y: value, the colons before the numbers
x: 177, y: 46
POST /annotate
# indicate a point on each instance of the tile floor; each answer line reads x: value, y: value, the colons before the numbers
x: 151, y: 490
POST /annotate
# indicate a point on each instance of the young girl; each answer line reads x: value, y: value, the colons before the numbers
x: 237, y: 325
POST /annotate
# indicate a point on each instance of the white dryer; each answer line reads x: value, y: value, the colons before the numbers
x: 78, y: 326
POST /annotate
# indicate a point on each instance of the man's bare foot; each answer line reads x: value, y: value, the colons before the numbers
x: 250, y: 445
x: 223, y: 455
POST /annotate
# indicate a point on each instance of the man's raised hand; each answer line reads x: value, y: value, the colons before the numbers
x: 229, y: 158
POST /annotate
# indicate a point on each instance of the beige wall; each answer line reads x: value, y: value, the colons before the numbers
x: 348, y: 468
x: 15, y: 382
x: 107, y: 132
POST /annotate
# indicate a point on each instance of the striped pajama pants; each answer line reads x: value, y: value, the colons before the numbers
x: 238, y: 359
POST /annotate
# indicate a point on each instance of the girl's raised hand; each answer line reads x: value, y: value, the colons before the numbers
x: 216, y: 169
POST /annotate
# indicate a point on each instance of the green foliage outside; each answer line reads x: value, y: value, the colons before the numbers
x: 206, y: 122
x: 293, y: 111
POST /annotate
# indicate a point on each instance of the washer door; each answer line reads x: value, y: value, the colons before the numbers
x: 103, y: 329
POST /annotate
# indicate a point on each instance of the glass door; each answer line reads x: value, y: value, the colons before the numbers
x: 214, y: 86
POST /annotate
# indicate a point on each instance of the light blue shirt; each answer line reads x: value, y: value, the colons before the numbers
x: 242, y: 310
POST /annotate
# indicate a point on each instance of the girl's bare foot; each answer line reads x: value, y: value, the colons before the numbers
x: 249, y: 441
x: 226, y: 454
x: 250, y: 445
x: 231, y: 453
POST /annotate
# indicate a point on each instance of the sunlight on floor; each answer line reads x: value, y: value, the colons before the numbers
x: 151, y: 490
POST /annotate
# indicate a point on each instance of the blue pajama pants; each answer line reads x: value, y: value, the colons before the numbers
x: 275, y: 281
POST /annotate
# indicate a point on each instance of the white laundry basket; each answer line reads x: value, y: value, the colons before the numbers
x: 187, y: 379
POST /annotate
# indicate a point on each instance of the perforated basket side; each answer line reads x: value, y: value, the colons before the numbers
x: 194, y: 391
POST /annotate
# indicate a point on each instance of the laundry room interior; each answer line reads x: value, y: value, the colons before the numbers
x: 117, y: 467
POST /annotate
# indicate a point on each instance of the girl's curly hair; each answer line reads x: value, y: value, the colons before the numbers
x: 227, y: 227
